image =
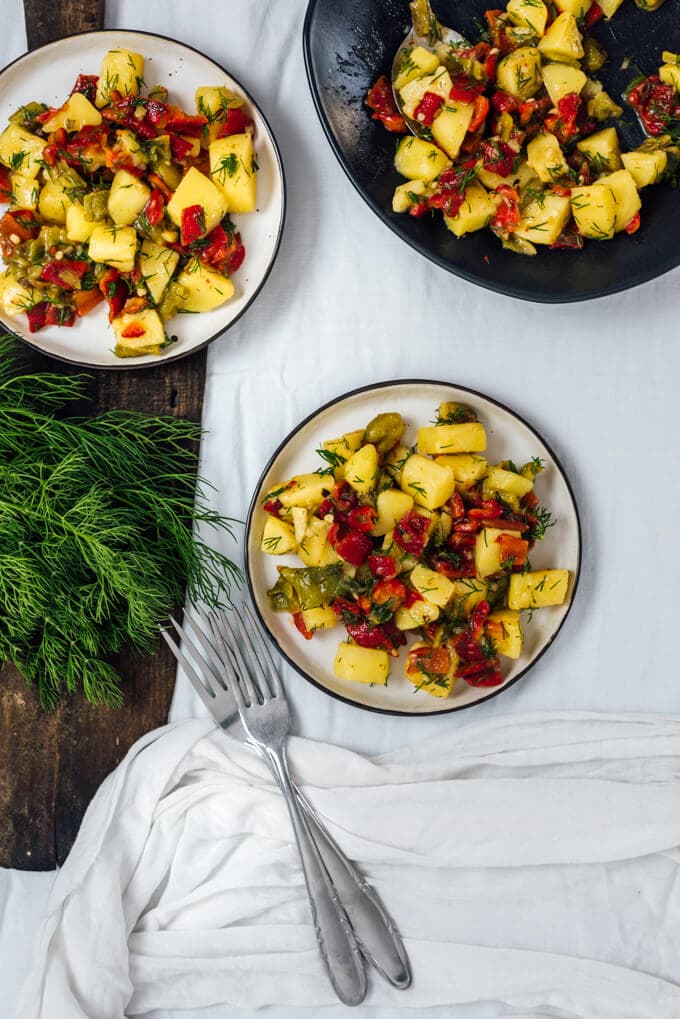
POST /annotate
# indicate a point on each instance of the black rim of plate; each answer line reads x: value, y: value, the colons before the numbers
x: 254, y: 503
x: 534, y: 296
x: 167, y: 358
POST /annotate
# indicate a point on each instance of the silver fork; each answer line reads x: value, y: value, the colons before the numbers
x: 372, y: 927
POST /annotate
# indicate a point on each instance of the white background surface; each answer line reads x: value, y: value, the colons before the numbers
x: 348, y: 304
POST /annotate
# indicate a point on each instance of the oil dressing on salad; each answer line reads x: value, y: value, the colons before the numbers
x: 121, y: 196
x: 517, y: 134
x: 432, y: 541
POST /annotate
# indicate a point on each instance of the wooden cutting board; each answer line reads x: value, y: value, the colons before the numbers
x: 51, y: 765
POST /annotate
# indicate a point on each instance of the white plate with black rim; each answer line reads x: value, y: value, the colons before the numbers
x: 47, y: 75
x: 509, y: 437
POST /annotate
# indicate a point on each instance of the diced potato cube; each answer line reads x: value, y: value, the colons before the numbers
x: 626, y: 197
x: 115, y: 246
x: 505, y: 630
x: 645, y: 167
x: 157, y: 264
x: 562, y: 79
x: 579, y: 8
x: 56, y: 196
x: 233, y: 168
x: 503, y: 482
x: 212, y: 102
x: 433, y: 586
x: 21, y: 150
x: 418, y: 614
x: 344, y: 447
x: 531, y: 13
x: 314, y: 548
x: 395, y: 460
x: 278, y: 537
x: 430, y: 484
x: 204, y: 288
x: 478, y: 208
x: 121, y: 71
x: 609, y: 7
x: 537, y: 589
x: 419, y: 671
x: 307, y: 490
x: 488, y: 552
x: 518, y: 179
x: 670, y: 75
x: 78, y: 228
x: 127, y: 198
x: 361, y: 470
x: 25, y: 191
x: 562, y: 41
x: 439, y: 82
x: 15, y: 298
x: 321, y: 618
x: 468, y: 437
x: 299, y: 516
x: 594, y: 211
x: 414, y: 63
x: 543, y: 221
x: 361, y: 664
x: 467, y: 467
x: 417, y: 159
x: 407, y: 194
x: 545, y: 157
x: 602, y: 150
x: 196, y: 189
x: 391, y: 506
x: 76, y: 113
x: 450, y: 126
x: 138, y: 333
x: 519, y: 73
x: 468, y: 592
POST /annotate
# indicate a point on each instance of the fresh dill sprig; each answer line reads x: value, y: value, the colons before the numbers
x: 100, y: 532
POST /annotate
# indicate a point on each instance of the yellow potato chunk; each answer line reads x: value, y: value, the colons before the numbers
x: 21, y: 150
x: 602, y: 150
x: 609, y: 7
x: 115, y: 246
x: 545, y: 157
x: 204, y: 288
x: 213, y: 101
x: 561, y: 80
x: 439, y: 82
x: 670, y: 75
x: 418, y: 614
x: 626, y: 197
x: 321, y: 618
x: 406, y: 195
x: 477, y: 210
x: 505, y: 630
x: 149, y: 341
x: 121, y: 71
x: 314, y: 548
x: 157, y: 264
x: 467, y: 467
x: 594, y: 211
x: 76, y: 113
x: 278, y: 537
x: 78, y: 228
x: 361, y: 470
x: 519, y: 73
x: 468, y: 437
x: 233, y: 168
x: 468, y: 592
x: 25, y: 191
x: 430, y: 484
x: 532, y: 14
x: 450, y: 126
x: 414, y: 63
x: 307, y: 490
x: 361, y: 664
x: 416, y: 672
x: 391, y: 505
x: 344, y: 447
x: 505, y: 483
x: 395, y: 460
x: 578, y: 8
x: 538, y: 589
x: 562, y: 42
x: 543, y: 221
x: 127, y: 198
x: 645, y: 167
x: 15, y: 298
x: 434, y: 587
x: 196, y: 189
x: 488, y: 552
x: 417, y: 159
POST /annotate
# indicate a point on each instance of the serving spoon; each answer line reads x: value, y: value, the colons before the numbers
x: 426, y: 31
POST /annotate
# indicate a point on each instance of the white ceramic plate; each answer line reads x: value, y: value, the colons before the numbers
x: 509, y: 438
x: 47, y: 75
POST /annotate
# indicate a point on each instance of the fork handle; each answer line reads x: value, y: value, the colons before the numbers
x: 337, y: 944
x: 378, y: 938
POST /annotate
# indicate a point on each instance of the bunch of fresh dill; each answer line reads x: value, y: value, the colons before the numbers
x: 98, y: 532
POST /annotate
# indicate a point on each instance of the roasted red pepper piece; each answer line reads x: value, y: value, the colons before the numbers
x: 362, y: 518
x: 433, y: 661
x: 380, y: 98
x: 507, y: 215
x: 5, y: 186
x: 66, y: 273
x: 427, y: 108
x: 36, y: 316
x: 354, y: 547
x: 410, y: 533
x: 504, y: 102
x: 348, y: 611
x: 115, y: 290
x: 634, y: 224
x: 479, y: 114
x: 225, y: 252
x: 235, y: 122
x: 386, y: 636
x: 86, y: 84
x: 86, y: 300
x: 382, y: 566
x: 513, y: 550
x: 193, y: 224
x: 465, y: 89
x: 299, y: 621
x: 180, y: 147
x: 389, y: 591
x: 593, y: 15
x: 179, y: 122
x: 412, y: 596
x: 479, y: 614
x: 498, y: 157
x: 60, y: 315
x: 154, y: 209
x: 273, y: 506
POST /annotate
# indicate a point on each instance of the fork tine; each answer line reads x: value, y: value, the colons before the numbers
x: 260, y: 673
x: 204, y: 633
x: 189, y: 638
x: 204, y: 692
x: 245, y: 674
x: 275, y: 679
x: 231, y: 660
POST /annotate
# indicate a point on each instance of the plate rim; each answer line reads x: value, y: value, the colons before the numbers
x: 388, y: 384
x: 169, y: 358
x: 534, y: 297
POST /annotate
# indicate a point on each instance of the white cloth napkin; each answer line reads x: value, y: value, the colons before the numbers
x: 184, y: 889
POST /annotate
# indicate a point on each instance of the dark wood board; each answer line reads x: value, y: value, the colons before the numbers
x: 51, y: 764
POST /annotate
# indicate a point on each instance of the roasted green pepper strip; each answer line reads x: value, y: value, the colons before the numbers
x: 306, y: 588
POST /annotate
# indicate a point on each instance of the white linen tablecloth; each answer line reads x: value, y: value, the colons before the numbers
x: 349, y: 304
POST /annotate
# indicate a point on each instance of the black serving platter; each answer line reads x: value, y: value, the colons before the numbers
x: 349, y: 43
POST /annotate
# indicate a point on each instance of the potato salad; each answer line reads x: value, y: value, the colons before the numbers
x: 517, y: 134
x: 432, y: 541
x: 121, y: 196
